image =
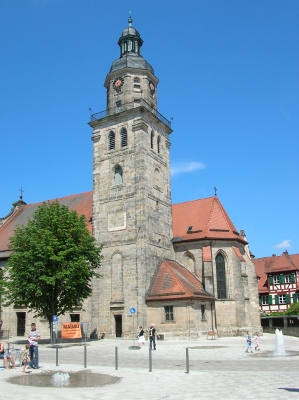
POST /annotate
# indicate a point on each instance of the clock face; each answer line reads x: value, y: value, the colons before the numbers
x: 152, y: 87
x: 117, y: 84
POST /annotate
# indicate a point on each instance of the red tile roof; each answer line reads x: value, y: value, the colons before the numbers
x: 208, y: 220
x: 274, y: 264
x: 82, y: 203
x: 173, y: 281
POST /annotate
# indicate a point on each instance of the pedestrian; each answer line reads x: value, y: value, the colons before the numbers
x: 249, y: 342
x: 25, y: 357
x: 257, y: 340
x: 152, y: 336
x: 141, y: 339
x: 6, y: 356
x: 33, y: 338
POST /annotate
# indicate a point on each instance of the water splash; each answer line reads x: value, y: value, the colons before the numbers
x: 60, y: 379
x: 279, y: 349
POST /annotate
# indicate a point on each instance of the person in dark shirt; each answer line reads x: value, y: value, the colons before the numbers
x: 152, y: 336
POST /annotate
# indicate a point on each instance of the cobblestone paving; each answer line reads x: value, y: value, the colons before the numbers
x: 218, y: 369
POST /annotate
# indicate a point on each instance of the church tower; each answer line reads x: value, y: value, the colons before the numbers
x: 131, y: 190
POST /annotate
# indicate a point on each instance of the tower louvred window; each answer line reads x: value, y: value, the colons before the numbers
x: 158, y: 144
x: 111, y: 144
x: 123, y: 138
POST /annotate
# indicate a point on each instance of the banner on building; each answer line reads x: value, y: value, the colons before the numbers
x: 71, y: 330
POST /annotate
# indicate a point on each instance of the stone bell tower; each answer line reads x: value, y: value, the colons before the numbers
x: 131, y: 190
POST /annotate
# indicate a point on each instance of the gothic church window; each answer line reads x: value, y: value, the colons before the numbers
x: 123, y: 137
x: 118, y: 175
x: 111, y: 141
x: 221, y: 277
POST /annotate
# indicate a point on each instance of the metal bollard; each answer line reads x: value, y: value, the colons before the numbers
x: 116, y: 358
x: 150, y: 360
x: 187, y: 360
x: 57, y: 356
x: 85, y: 356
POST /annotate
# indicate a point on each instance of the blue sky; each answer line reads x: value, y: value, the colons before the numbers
x: 228, y: 73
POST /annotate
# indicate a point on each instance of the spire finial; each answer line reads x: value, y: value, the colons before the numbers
x: 21, y: 190
x: 130, y: 18
x: 215, y: 190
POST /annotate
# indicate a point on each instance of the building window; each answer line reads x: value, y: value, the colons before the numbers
x: 288, y: 278
x: 276, y: 279
x: 118, y: 175
x: 221, y: 278
x: 158, y: 144
x: 282, y: 299
x: 168, y: 310
x: 111, y: 141
x: 152, y: 140
x: 136, y: 80
x: 265, y: 300
x: 123, y: 137
x: 118, y: 104
x: 75, y: 317
x: 203, y: 310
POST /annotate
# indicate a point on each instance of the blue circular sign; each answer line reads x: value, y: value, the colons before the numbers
x: 132, y: 310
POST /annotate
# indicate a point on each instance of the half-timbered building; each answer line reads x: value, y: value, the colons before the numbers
x: 278, y: 282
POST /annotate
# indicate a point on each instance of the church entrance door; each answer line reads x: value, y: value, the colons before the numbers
x: 118, y: 325
x: 21, y: 318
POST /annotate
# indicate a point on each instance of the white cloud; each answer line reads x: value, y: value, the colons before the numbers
x: 284, y: 244
x: 184, y: 167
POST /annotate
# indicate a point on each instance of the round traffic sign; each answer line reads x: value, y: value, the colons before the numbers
x: 132, y: 310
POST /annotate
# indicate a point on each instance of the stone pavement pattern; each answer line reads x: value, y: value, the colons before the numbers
x: 219, y: 369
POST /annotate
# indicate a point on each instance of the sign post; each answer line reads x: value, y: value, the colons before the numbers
x: 54, y: 328
x: 133, y: 311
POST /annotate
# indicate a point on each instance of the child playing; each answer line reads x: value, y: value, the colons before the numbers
x: 141, y: 339
x: 25, y: 357
x: 248, y: 340
x: 257, y: 340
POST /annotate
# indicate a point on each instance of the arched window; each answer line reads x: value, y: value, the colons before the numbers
x: 136, y: 80
x: 158, y: 144
x: 221, y: 278
x: 123, y: 137
x: 152, y: 140
x: 118, y: 175
x: 111, y: 141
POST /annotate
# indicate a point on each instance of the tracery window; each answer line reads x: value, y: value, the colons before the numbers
x: 221, y: 277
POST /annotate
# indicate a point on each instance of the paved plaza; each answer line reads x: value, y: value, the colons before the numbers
x: 218, y: 369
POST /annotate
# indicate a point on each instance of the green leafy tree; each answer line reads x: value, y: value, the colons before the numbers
x: 52, y: 263
x: 293, y: 309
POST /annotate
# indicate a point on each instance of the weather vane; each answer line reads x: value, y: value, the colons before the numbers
x: 215, y: 190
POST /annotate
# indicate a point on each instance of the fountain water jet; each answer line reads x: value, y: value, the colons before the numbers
x: 279, y: 349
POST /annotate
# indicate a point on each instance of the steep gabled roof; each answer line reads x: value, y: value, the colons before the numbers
x: 282, y: 264
x: 173, y: 281
x: 82, y: 203
x: 274, y: 265
x: 207, y: 219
